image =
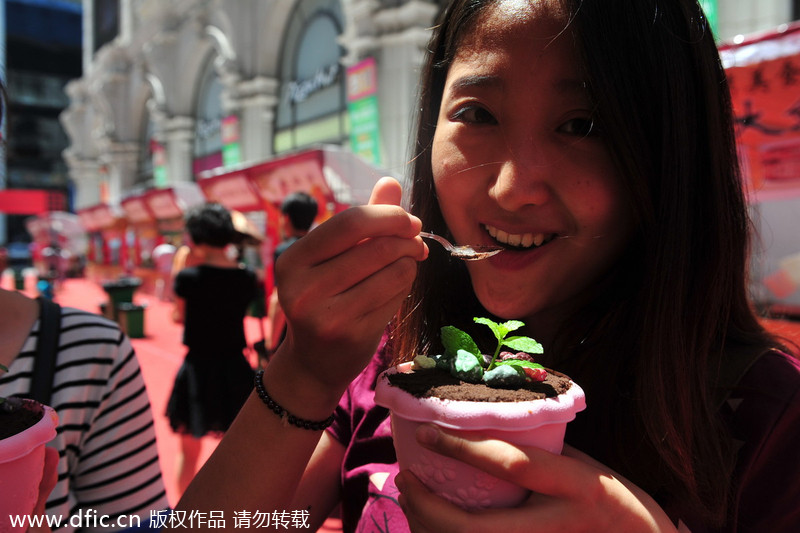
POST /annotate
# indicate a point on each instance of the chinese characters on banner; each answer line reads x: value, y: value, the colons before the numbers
x: 764, y: 76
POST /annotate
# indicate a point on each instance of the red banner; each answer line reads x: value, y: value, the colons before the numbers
x: 31, y: 201
x: 764, y: 75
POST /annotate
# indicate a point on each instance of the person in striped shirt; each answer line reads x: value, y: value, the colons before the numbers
x: 108, y: 461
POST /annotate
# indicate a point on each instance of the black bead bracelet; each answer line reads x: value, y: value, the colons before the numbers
x: 286, y: 417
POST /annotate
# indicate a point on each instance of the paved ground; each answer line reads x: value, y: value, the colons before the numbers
x: 160, y: 354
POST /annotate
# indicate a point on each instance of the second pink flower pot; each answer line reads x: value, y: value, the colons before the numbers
x: 22, y: 466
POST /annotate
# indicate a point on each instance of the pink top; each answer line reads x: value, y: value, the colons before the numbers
x: 763, y: 414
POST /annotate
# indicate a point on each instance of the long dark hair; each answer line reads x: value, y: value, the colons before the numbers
x: 651, y: 348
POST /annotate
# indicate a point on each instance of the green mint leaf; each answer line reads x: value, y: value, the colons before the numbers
x: 496, y: 328
x: 467, y: 367
x: 454, y: 340
x: 523, y: 344
x: 500, y: 330
x: 505, y: 376
x: 512, y: 325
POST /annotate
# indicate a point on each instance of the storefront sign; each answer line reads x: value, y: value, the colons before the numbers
x: 234, y: 192
x: 207, y: 128
x: 299, y: 91
x: 30, y: 201
x: 136, y: 211
x: 231, y: 146
x: 362, y: 107
x: 97, y: 217
x: 163, y: 205
x: 275, y: 183
x: 764, y: 75
x: 160, y: 178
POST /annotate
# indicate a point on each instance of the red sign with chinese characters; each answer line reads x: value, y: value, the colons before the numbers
x: 764, y: 76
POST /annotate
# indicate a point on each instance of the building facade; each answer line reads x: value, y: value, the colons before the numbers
x: 42, y: 53
x: 188, y: 86
x: 172, y: 89
x: 183, y: 101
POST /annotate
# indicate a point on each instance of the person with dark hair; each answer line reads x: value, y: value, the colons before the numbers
x: 298, y: 211
x: 212, y: 297
x: 210, y: 224
x: 594, y: 142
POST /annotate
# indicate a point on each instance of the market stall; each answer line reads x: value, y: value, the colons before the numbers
x: 335, y: 177
x: 141, y: 238
x: 105, y: 229
x: 167, y: 208
x: 61, y: 242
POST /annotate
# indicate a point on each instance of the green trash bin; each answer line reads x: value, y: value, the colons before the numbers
x: 120, y: 291
x: 131, y: 319
x: 19, y: 279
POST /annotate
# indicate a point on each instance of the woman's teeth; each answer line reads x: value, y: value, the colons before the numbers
x: 524, y: 240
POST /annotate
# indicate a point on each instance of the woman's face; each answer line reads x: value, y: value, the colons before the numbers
x: 517, y: 161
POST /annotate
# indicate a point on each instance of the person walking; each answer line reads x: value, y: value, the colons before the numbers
x: 298, y: 211
x: 211, y: 301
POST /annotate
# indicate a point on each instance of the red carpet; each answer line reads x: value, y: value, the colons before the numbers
x: 160, y: 355
x: 161, y: 352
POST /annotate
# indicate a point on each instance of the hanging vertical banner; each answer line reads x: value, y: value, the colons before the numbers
x: 160, y: 178
x: 103, y: 185
x: 231, y: 145
x: 710, y: 9
x: 362, y: 108
x: 764, y: 76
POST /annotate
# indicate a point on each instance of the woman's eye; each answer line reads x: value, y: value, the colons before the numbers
x: 580, y: 127
x: 473, y: 114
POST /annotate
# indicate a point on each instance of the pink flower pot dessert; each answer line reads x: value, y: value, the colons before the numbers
x: 22, y: 466
x: 540, y: 423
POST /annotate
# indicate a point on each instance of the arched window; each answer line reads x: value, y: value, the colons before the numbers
x: 313, y: 105
x: 208, y: 121
x: 144, y: 174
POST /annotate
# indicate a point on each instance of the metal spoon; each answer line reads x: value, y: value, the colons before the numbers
x: 466, y: 253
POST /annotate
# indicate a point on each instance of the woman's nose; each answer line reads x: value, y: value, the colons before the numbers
x: 522, y: 181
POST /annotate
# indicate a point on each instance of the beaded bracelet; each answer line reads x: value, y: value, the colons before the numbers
x: 286, y: 417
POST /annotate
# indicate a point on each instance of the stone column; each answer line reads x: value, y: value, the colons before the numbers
x: 121, y: 159
x: 397, y: 38
x: 255, y: 100
x: 85, y: 173
x: 177, y: 134
x: 404, y: 34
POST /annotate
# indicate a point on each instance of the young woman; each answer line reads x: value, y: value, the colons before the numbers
x: 594, y: 141
x: 212, y: 298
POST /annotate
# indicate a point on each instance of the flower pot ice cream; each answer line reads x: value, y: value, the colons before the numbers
x: 22, y: 460
x: 534, y: 413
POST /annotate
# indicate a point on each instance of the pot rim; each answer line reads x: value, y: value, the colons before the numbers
x: 24, y: 442
x: 457, y: 414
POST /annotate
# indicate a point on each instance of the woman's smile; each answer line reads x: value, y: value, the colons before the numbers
x: 519, y: 161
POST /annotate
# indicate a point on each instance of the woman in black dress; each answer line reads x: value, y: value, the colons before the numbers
x: 212, y: 298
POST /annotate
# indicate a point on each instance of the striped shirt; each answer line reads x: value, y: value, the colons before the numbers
x: 108, y: 460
